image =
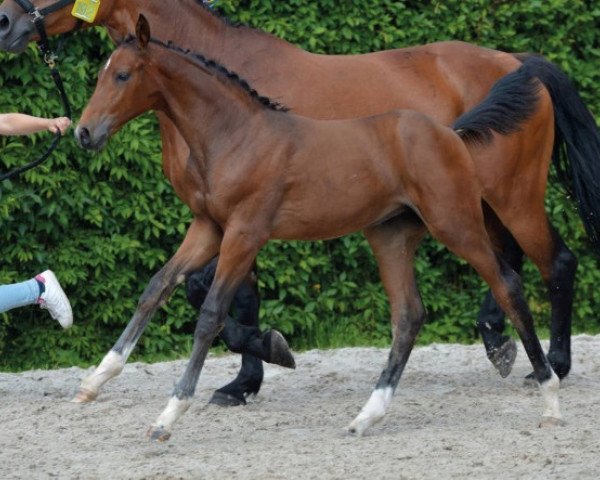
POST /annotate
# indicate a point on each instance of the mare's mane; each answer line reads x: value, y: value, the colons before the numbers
x: 210, y: 7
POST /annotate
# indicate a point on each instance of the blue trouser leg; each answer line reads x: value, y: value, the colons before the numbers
x: 18, y: 294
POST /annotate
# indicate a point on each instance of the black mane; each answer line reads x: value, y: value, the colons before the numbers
x: 220, y: 70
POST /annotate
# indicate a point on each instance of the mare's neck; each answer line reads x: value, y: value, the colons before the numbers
x: 193, y: 26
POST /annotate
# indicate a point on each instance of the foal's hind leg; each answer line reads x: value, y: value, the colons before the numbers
x: 394, y: 244
x: 201, y: 243
x: 472, y: 244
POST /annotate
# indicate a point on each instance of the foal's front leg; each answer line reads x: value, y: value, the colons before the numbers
x: 238, y: 250
x: 201, y: 243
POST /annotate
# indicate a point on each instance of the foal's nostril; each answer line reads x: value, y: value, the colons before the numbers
x: 4, y: 24
x: 83, y: 136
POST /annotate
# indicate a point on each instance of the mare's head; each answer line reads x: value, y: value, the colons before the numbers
x: 126, y: 88
x: 16, y: 24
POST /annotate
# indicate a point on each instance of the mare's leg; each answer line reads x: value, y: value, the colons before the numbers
x: 242, y: 335
x: 201, y: 243
x: 501, y: 349
x: 238, y: 250
x: 561, y: 289
x: 394, y: 244
x: 557, y: 266
x: 517, y: 197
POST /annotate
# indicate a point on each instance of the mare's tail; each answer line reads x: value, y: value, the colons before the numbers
x: 576, y: 155
x: 512, y: 100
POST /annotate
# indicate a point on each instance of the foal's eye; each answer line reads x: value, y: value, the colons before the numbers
x: 122, y: 76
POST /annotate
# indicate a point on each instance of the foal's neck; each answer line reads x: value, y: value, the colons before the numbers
x: 212, y: 112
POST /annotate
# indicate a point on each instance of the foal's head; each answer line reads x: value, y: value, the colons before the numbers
x: 126, y: 88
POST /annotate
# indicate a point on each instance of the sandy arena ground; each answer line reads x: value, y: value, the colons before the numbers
x: 452, y: 417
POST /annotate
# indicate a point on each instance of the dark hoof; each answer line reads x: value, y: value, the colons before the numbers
x: 503, y: 358
x: 530, y: 381
x: 280, y: 353
x: 158, y: 434
x: 226, y: 400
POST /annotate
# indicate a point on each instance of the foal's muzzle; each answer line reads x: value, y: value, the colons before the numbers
x: 92, y: 138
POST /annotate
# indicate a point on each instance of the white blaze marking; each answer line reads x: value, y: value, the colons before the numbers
x: 107, y: 63
x: 373, y: 411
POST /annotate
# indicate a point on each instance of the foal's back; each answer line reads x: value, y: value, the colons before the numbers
x: 345, y: 175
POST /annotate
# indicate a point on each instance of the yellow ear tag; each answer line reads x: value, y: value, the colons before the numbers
x: 86, y: 10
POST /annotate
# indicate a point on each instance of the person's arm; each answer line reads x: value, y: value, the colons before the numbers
x: 21, y: 124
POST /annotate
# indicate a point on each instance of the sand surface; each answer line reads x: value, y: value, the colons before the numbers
x: 452, y: 417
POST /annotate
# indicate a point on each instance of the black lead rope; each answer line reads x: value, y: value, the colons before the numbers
x: 50, y: 60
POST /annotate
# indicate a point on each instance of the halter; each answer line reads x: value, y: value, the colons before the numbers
x: 38, y: 21
x: 49, y: 59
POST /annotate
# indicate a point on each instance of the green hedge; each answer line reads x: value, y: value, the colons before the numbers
x: 106, y: 222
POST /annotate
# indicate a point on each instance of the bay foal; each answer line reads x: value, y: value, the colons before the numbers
x: 260, y: 173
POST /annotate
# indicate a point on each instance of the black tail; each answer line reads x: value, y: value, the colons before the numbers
x: 512, y: 100
x: 576, y: 154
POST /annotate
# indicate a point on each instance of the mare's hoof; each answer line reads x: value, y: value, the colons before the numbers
x: 530, y: 381
x: 84, y: 396
x: 158, y: 434
x: 279, y: 348
x: 503, y: 358
x: 551, y: 422
x: 226, y: 400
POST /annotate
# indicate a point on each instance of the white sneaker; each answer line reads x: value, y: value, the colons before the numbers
x: 55, y: 300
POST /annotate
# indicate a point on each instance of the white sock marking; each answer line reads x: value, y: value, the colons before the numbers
x: 549, y: 391
x: 175, y: 409
x: 111, y: 365
x: 373, y: 411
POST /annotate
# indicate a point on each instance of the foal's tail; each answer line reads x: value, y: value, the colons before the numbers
x: 576, y: 155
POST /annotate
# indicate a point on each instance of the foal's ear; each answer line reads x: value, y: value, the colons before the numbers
x: 142, y: 32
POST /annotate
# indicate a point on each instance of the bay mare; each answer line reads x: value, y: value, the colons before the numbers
x: 442, y: 80
x: 260, y: 173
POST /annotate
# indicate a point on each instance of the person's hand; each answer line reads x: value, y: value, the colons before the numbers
x: 60, y: 124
